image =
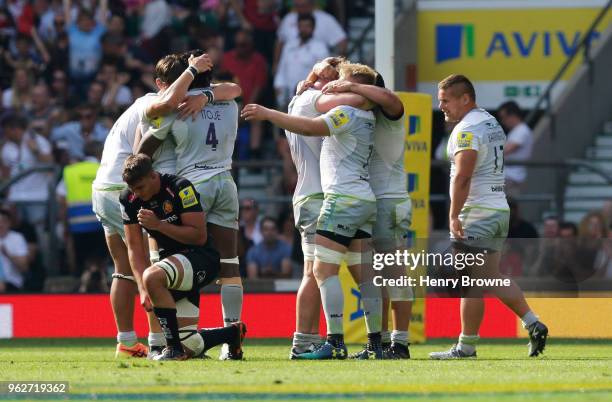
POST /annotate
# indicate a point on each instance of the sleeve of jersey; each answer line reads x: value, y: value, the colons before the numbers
x: 465, y: 140
x: 160, y: 126
x: 338, y: 120
x: 189, y: 198
x: 129, y: 214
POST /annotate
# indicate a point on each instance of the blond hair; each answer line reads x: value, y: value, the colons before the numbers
x: 357, y: 72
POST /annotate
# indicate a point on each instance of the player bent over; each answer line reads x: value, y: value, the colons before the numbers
x: 168, y: 208
x: 348, y: 211
x: 479, y: 213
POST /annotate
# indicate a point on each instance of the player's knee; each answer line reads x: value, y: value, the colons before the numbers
x: 153, y: 278
x: 191, y: 340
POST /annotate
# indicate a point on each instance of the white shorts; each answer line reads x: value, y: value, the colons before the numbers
x: 485, y: 228
x: 393, y: 219
x: 107, y: 208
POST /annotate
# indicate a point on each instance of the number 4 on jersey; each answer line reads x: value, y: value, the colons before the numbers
x: 211, y: 137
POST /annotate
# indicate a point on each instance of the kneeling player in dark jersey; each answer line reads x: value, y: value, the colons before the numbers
x: 168, y: 208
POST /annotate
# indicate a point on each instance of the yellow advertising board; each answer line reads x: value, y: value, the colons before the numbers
x: 417, y: 126
x: 511, y: 53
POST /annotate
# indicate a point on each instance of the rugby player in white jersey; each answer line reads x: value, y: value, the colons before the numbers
x: 308, y: 195
x: 479, y: 213
x: 107, y: 186
x: 349, y: 206
x: 203, y: 147
x: 394, y: 209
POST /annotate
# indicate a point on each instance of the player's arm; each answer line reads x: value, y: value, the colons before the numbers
x: 303, y: 125
x: 148, y: 144
x: 327, y: 102
x: 176, y: 92
x: 192, y: 230
x: 136, y: 251
x: 465, y: 162
x: 193, y: 104
x: 389, y: 102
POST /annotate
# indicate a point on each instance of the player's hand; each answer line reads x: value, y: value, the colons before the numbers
x: 201, y: 63
x: 254, y: 112
x: 456, y: 228
x: 302, y: 86
x: 145, y: 301
x: 191, y: 106
x: 337, y: 86
x: 148, y: 220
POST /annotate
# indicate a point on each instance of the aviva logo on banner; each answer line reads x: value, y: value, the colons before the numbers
x: 414, y: 124
x: 502, y: 45
x: 454, y: 40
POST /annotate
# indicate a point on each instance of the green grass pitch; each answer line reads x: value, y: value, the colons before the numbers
x: 570, y: 370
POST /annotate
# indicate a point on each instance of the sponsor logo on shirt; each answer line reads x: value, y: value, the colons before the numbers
x: 168, y: 207
x: 339, y: 118
x: 464, y: 139
x: 188, y: 197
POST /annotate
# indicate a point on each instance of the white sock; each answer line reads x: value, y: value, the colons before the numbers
x: 371, y: 300
x: 231, y: 303
x: 302, y: 342
x: 127, y: 338
x: 385, y: 337
x: 400, y: 337
x: 156, y: 339
x: 529, y: 319
x: 332, y: 299
x: 467, y: 343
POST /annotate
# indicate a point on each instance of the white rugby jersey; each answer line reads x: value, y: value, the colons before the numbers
x: 305, y: 151
x: 479, y: 131
x: 204, y: 146
x: 387, y: 176
x: 120, y: 143
x: 346, y: 153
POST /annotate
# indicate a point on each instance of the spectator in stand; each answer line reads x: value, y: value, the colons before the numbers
x: 550, y: 227
x: 568, y: 230
x: 286, y: 224
x: 326, y: 30
x: 547, y: 247
x: 35, y: 279
x: 25, y: 56
x: 24, y: 150
x: 59, y: 53
x: 13, y: 254
x: 260, y: 16
x: 77, y: 134
x: 271, y: 257
x: 251, y: 70
x: 96, y: 92
x: 250, y: 221
x: 19, y: 96
x: 85, y: 49
x: 519, y: 144
x: 41, y: 102
x: 117, y: 94
x: 50, y: 20
x: 60, y: 92
x: 593, y: 226
x: 298, y: 57
x: 519, y: 228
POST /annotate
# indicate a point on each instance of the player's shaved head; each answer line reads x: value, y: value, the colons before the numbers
x: 170, y: 67
x: 458, y: 85
x: 356, y: 72
x: 136, y: 168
